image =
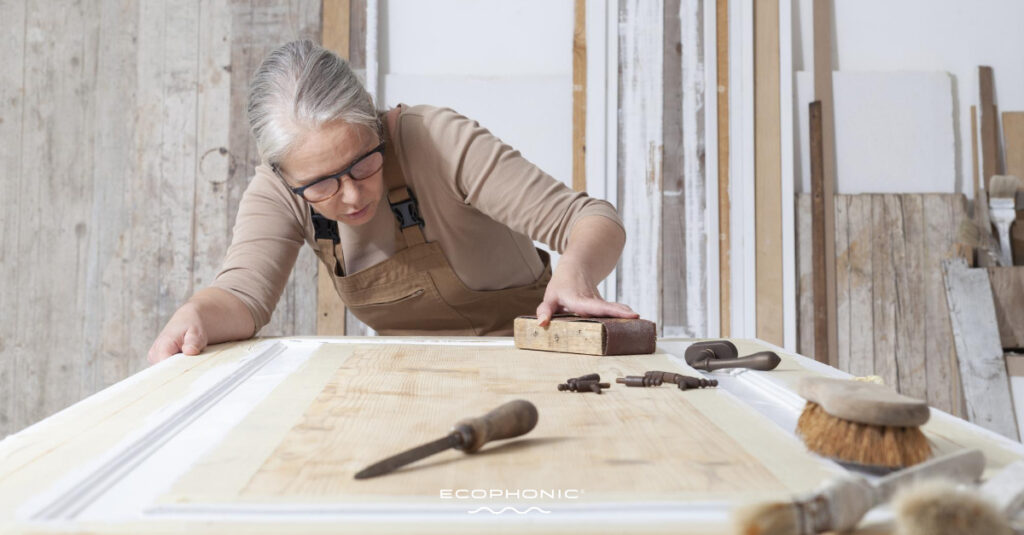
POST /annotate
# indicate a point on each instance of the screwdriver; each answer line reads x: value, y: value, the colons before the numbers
x: 510, y: 420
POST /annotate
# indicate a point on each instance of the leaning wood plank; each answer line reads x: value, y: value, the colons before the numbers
x: 767, y: 173
x: 673, y: 198
x: 822, y: 18
x: 330, y: 309
x: 982, y: 366
x: 818, y: 229
x: 722, y: 57
x: 842, y: 282
x: 990, y: 163
x: 942, y: 217
x: 579, y: 96
x: 691, y: 24
x: 640, y: 154
x: 805, y: 277
x: 1008, y: 292
x: 1013, y: 141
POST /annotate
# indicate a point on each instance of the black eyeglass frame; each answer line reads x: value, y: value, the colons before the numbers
x: 300, y: 191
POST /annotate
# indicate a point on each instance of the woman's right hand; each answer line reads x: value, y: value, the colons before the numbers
x: 184, y: 333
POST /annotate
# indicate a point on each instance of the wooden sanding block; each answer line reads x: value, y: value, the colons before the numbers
x: 589, y: 336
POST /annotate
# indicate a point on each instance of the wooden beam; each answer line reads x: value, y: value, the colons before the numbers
x: 1013, y: 143
x: 990, y: 163
x: 818, y: 236
x: 1008, y: 293
x: 982, y: 364
x: 768, y: 174
x: 579, y: 97
x: 823, y: 93
x: 724, y: 267
x: 330, y: 309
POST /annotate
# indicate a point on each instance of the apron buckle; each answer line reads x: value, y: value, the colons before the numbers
x: 407, y: 212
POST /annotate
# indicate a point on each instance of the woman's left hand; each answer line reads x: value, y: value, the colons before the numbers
x: 571, y: 291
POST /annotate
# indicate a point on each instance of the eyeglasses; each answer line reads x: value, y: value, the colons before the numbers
x: 324, y: 188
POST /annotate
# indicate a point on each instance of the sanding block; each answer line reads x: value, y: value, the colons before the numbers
x: 589, y: 336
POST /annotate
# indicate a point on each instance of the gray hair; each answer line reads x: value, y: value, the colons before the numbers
x: 299, y: 87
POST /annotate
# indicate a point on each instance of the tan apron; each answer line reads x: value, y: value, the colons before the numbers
x: 416, y: 291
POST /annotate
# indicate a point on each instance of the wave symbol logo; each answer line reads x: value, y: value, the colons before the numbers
x: 503, y: 509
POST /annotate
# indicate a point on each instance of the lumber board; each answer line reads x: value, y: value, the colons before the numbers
x: 724, y: 206
x: 805, y: 277
x: 884, y: 217
x: 1013, y: 142
x: 1008, y: 293
x: 641, y: 34
x: 941, y: 222
x: 767, y: 174
x: 335, y: 36
x: 990, y: 163
x: 579, y: 95
x: 822, y: 40
x: 981, y: 361
x: 818, y: 226
x: 674, y: 214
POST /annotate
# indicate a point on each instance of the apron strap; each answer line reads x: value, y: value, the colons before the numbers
x: 401, y: 199
x: 325, y: 232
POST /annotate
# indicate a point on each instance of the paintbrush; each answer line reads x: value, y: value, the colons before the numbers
x: 941, y: 507
x: 510, y: 420
x: 862, y: 423
x: 1002, y: 203
x: 841, y: 503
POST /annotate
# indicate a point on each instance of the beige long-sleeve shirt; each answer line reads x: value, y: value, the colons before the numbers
x: 481, y: 200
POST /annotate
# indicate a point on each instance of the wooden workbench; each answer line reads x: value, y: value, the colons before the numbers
x: 264, y: 436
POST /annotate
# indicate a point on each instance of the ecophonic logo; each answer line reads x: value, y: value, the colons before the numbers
x: 509, y: 495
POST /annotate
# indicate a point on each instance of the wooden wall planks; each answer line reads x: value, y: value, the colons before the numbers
x: 128, y: 147
x: 890, y: 298
x: 640, y: 154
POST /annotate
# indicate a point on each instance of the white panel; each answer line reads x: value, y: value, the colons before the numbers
x: 741, y: 168
x: 531, y: 113
x: 602, y: 132
x: 479, y: 37
x: 694, y: 116
x: 935, y: 35
x: 894, y: 134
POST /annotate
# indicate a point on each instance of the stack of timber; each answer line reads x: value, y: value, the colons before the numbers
x: 893, y: 319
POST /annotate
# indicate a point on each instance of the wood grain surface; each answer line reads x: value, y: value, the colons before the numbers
x: 627, y: 444
x: 125, y: 148
x: 891, y: 302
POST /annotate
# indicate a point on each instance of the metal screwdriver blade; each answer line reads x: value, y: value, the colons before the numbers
x: 410, y: 456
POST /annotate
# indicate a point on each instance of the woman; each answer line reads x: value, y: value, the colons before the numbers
x: 424, y: 218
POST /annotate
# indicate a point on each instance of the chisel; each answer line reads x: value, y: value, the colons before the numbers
x: 510, y: 420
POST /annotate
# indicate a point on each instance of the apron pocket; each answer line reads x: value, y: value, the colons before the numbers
x: 420, y: 312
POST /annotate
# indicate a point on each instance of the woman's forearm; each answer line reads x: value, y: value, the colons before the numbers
x: 223, y: 316
x: 594, y: 247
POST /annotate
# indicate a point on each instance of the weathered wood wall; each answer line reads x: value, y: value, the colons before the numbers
x: 124, y: 150
x: 661, y: 168
x: 891, y: 302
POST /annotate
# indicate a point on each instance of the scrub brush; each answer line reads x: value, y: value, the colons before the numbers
x: 941, y: 507
x: 1002, y: 203
x: 840, y: 504
x: 862, y: 423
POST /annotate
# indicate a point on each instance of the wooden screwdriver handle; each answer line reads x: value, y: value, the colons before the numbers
x: 507, y: 421
x: 763, y: 361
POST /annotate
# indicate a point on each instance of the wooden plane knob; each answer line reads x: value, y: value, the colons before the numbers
x: 510, y: 420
